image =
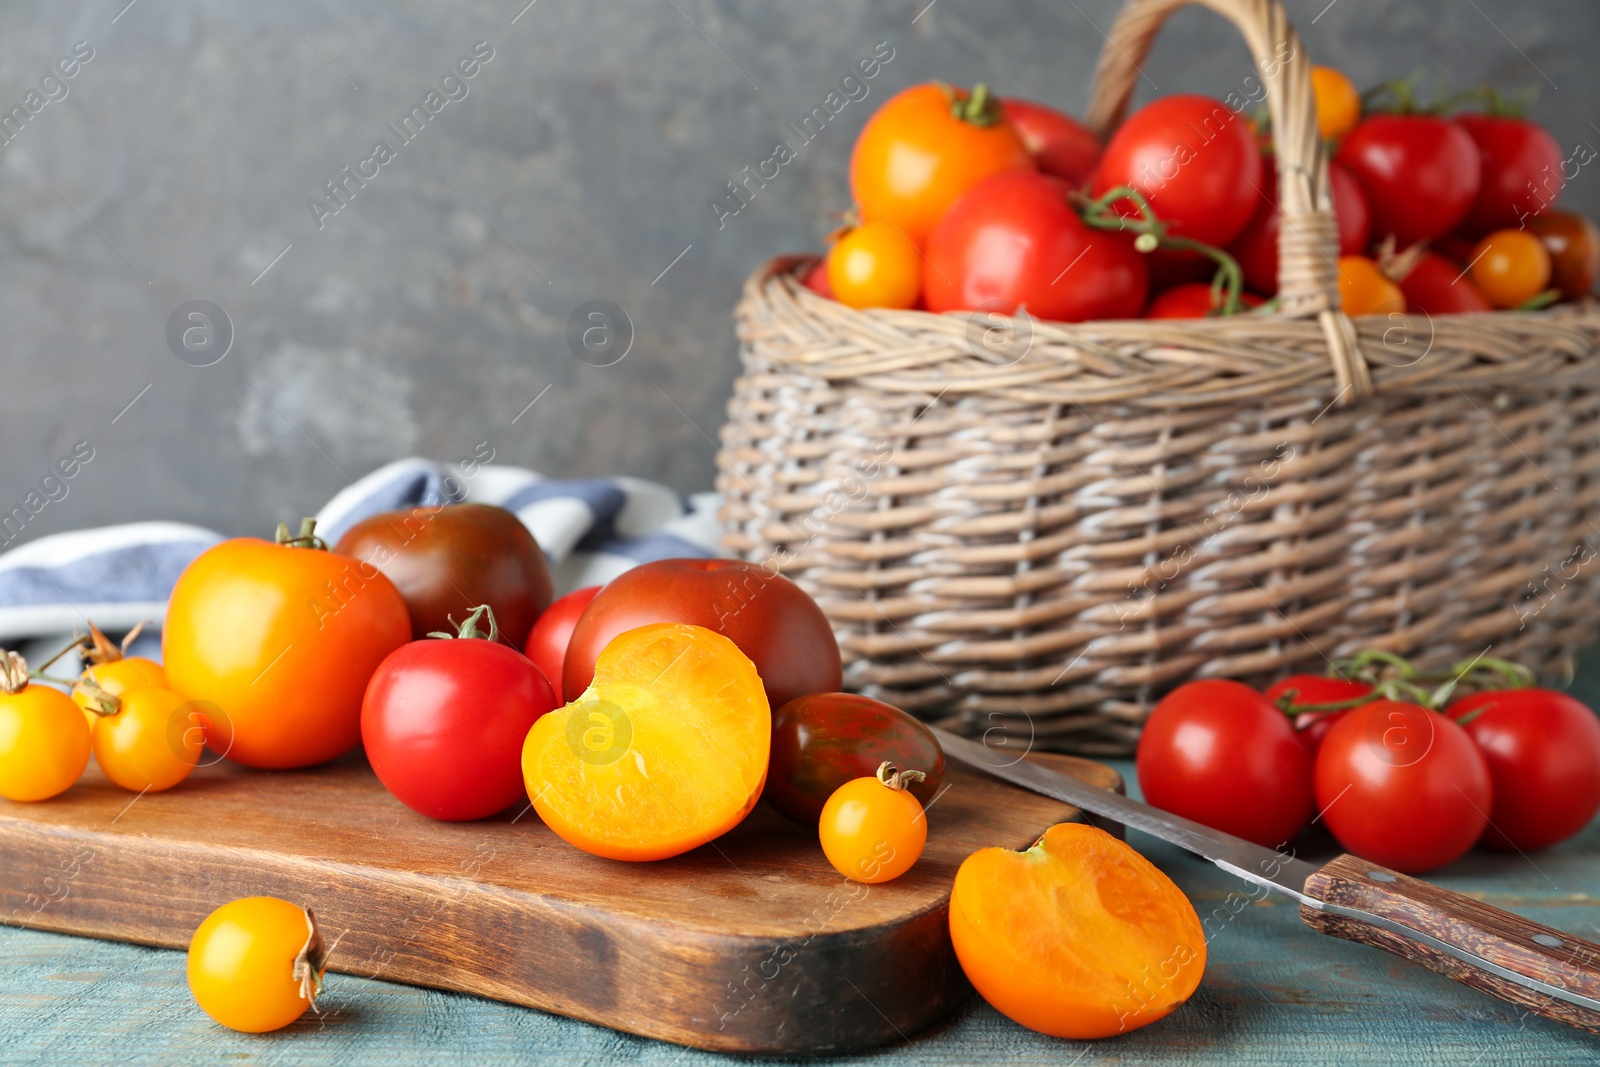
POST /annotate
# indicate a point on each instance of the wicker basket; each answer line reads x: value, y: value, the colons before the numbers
x: 1043, y: 527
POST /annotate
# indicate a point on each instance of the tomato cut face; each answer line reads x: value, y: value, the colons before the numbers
x: 664, y: 752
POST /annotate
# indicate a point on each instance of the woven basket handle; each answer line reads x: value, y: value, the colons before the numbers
x: 1308, y: 240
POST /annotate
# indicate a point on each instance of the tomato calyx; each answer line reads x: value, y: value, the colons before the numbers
x: 306, y: 538
x: 896, y: 779
x: 1097, y: 212
x: 468, y: 627
x: 1393, y: 677
x: 978, y: 108
x: 14, y: 675
x: 311, y: 961
x: 101, y: 648
x: 102, y: 703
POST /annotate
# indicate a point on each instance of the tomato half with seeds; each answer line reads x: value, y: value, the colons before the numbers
x: 822, y: 741
x: 276, y: 642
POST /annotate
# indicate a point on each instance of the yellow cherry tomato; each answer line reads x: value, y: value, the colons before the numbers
x: 1365, y: 290
x: 243, y: 962
x: 1511, y: 267
x: 150, y: 742
x: 117, y: 677
x: 44, y: 742
x: 1338, y: 102
x: 872, y: 829
x: 874, y: 266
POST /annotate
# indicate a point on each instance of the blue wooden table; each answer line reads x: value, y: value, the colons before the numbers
x: 1274, y: 993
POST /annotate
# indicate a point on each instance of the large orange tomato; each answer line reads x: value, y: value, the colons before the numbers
x: 277, y: 642
x: 926, y: 146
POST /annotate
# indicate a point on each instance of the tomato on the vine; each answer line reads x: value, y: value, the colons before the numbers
x: 275, y: 642
x: 1520, y: 173
x: 1192, y: 300
x: 444, y: 720
x: 1543, y: 752
x: 1220, y: 753
x: 1059, y: 144
x: 872, y: 829
x: 1574, y: 246
x: 1012, y: 241
x: 1511, y: 267
x: 114, y: 671
x: 44, y: 740
x: 1338, y: 102
x: 1439, y: 286
x: 1365, y: 290
x: 1311, y: 727
x: 256, y: 964
x: 875, y: 266
x: 1419, y: 173
x: 1403, y: 786
x: 1193, y: 159
x: 926, y: 146
x: 1256, y: 248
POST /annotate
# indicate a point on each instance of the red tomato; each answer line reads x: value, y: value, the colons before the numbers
x: 1013, y: 240
x: 1194, y: 159
x: 444, y: 721
x: 547, y: 644
x: 1520, y: 174
x: 1193, y: 300
x: 1312, y: 727
x: 1256, y: 248
x: 1419, y: 172
x: 1402, y: 786
x: 1543, y: 751
x: 1440, y: 287
x: 771, y: 619
x: 1219, y: 753
x: 1059, y: 144
x: 1574, y: 246
x: 816, y: 279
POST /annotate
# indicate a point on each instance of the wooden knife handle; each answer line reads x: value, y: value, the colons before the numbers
x: 1505, y: 940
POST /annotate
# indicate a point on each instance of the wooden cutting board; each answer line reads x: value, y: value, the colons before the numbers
x: 753, y: 943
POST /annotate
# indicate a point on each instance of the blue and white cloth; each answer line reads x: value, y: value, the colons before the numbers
x: 117, y: 576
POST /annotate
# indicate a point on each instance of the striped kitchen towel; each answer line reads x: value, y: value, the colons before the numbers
x: 591, y: 530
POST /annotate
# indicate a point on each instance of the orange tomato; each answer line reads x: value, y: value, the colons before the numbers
x: 114, y: 672
x: 872, y: 829
x: 666, y: 750
x: 277, y: 641
x: 148, y: 743
x: 873, y: 266
x: 1078, y: 937
x: 923, y: 148
x: 44, y: 743
x: 1365, y: 290
x: 1511, y: 267
x: 1338, y: 102
x: 256, y: 964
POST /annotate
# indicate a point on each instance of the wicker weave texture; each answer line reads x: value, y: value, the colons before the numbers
x: 1038, y: 528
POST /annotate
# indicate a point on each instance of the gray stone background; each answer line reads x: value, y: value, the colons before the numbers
x: 426, y: 315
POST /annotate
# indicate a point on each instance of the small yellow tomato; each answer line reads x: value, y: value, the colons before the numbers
x: 1365, y: 290
x: 44, y: 742
x: 872, y: 829
x: 1511, y: 267
x: 1338, y: 102
x: 256, y: 964
x: 117, y: 677
x: 875, y: 266
x: 149, y: 743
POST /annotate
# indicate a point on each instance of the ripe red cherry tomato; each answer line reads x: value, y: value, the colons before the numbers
x: 1059, y: 144
x: 1194, y: 159
x: 1440, y: 287
x: 1402, y: 786
x: 1419, y: 172
x: 1219, y: 753
x: 770, y: 619
x: 444, y: 721
x: 1013, y: 241
x: 816, y: 279
x: 1256, y: 248
x: 1313, y: 726
x: 547, y: 644
x: 1574, y: 246
x: 1192, y: 300
x: 1543, y: 751
x: 1520, y: 174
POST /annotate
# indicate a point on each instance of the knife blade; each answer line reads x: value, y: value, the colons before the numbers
x: 1547, y: 971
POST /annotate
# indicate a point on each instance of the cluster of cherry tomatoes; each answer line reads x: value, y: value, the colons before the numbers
x: 967, y: 202
x: 1400, y: 773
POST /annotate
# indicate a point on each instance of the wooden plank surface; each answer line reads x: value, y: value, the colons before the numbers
x: 752, y: 943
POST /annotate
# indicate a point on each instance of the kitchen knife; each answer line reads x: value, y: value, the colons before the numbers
x: 1538, y: 968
